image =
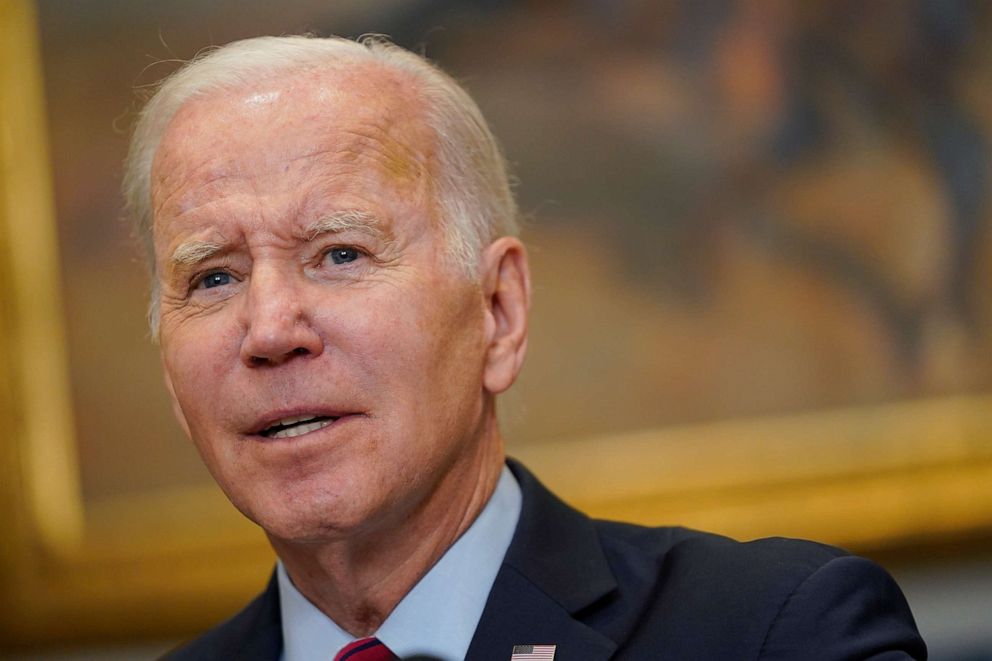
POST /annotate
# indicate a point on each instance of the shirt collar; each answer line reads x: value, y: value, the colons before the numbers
x: 438, y: 617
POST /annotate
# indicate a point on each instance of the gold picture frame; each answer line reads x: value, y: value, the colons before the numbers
x: 173, y: 561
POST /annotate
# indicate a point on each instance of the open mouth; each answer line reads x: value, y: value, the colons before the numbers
x: 297, y: 426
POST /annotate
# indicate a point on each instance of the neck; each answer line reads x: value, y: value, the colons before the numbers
x: 358, y: 580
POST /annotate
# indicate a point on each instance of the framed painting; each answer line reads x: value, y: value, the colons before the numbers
x: 740, y: 373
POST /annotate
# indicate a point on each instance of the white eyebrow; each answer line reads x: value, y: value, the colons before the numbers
x: 342, y: 221
x: 193, y: 252
x: 196, y: 251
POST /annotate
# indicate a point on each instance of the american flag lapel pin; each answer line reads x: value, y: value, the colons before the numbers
x: 533, y: 653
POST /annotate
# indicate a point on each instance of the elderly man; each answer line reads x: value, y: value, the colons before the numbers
x: 339, y: 298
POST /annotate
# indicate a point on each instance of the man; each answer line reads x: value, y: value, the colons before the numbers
x: 339, y: 298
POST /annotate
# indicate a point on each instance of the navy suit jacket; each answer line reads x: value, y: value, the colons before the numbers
x: 603, y: 590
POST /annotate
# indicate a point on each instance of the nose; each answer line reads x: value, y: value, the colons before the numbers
x: 278, y: 325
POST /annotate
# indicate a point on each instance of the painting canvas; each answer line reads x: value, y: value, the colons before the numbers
x: 761, y: 249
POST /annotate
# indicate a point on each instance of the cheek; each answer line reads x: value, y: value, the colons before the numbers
x: 199, y: 357
x: 190, y: 384
x: 408, y: 340
x: 442, y: 355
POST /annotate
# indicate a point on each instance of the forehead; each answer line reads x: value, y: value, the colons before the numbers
x: 365, y: 120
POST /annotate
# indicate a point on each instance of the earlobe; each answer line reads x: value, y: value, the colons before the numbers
x: 176, y: 408
x: 506, y: 285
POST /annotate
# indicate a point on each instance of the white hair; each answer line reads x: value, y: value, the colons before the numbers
x: 471, y: 181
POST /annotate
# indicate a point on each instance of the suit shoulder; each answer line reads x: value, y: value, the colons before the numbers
x: 715, y: 571
x: 851, y: 595
x: 770, y: 556
x: 683, y: 549
x: 765, y: 598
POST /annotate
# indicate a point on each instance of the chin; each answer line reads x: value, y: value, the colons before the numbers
x: 301, y: 527
x: 301, y: 531
x: 304, y: 518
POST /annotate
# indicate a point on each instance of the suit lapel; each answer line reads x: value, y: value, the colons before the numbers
x: 518, y: 613
x: 554, y: 569
x: 259, y: 634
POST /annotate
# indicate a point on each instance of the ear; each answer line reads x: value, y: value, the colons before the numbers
x: 176, y: 408
x: 506, y: 287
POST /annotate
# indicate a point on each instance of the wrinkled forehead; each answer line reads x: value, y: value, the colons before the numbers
x: 366, y: 115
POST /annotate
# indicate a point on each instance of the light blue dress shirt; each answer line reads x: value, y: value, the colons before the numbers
x: 438, y: 617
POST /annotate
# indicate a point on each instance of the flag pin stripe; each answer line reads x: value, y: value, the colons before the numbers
x: 533, y: 653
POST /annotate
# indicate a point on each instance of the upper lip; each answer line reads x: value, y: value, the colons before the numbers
x: 273, y: 418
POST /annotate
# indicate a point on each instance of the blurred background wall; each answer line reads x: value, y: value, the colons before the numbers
x: 735, y: 208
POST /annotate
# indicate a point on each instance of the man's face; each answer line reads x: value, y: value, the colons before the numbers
x: 323, y: 355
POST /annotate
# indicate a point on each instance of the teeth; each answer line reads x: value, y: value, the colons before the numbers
x: 291, y: 421
x: 299, y: 430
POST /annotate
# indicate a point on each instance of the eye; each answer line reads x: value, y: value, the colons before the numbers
x: 215, y: 279
x: 344, y: 255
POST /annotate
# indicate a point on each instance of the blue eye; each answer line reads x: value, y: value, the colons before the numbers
x: 343, y: 255
x: 216, y: 279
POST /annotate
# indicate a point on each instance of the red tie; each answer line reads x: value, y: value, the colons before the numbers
x: 365, y: 649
